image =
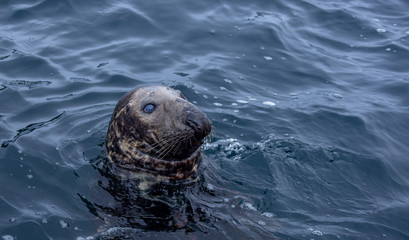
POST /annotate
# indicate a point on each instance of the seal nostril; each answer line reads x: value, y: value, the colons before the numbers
x: 191, y: 123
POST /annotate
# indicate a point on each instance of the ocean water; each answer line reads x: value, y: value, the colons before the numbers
x: 309, y: 102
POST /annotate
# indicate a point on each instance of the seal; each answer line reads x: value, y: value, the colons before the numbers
x: 155, y: 135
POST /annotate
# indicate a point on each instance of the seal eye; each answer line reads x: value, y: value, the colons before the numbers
x: 149, y: 108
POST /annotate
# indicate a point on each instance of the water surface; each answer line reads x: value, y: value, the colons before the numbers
x: 308, y: 99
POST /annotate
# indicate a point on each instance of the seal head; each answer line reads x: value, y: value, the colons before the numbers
x: 157, y: 132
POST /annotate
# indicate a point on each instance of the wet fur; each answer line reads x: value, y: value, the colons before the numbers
x: 163, y: 146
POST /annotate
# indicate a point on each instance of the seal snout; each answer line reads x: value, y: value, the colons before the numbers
x: 199, y: 122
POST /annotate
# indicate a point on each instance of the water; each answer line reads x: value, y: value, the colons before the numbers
x: 308, y: 99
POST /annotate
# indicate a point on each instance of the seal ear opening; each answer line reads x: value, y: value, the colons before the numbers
x: 181, y: 95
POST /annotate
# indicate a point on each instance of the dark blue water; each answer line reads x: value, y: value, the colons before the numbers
x: 309, y: 102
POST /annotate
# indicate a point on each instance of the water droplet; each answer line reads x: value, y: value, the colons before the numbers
x: 268, y: 214
x: 269, y: 103
x: 64, y: 224
x: 336, y: 95
x: 7, y: 237
x: 249, y: 206
x: 316, y: 232
x: 261, y: 223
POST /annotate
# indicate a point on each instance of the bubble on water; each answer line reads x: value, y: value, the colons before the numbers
x: 210, y: 186
x: 12, y: 219
x: 388, y: 49
x: 226, y: 200
x: 249, y: 206
x: 205, y: 96
x: 218, y: 104
x: 227, y: 80
x: 268, y: 214
x: 268, y: 58
x: 88, y: 131
x: 20, y: 151
x: 262, y: 48
x: 242, y: 101
x: 269, y: 103
x: 316, y: 232
x: 283, y: 58
x: 234, y: 104
x: 337, y: 95
x: 64, y: 224
x: 77, y: 229
x: 376, y: 20
x: 30, y: 176
x: 254, y: 66
x: 44, y: 221
x: 380, y: 30
x: 262, y: 223
x: 86, y: 238
x: 231, y: 147
x: 236, y: 111
x: 223, y: 88
x: 7, y: 237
